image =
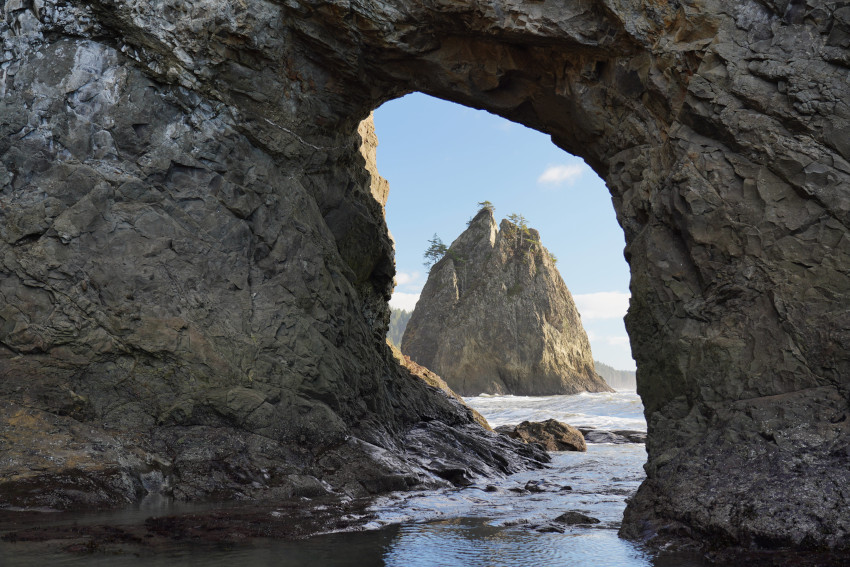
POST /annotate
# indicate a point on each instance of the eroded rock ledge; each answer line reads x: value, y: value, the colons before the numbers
x: 189, y: 240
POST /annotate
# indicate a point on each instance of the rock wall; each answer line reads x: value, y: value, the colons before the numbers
x: 193, y: 293
x: 189, y: 238
x: 495, y: 317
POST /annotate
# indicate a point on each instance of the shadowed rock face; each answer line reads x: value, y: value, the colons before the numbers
x: 495, y: 317
x: 189, y: 238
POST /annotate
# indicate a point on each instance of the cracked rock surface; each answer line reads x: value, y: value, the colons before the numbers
x: 189, y: 242
x: 190, y: 305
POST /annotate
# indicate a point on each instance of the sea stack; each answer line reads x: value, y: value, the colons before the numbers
x: 495, y: 317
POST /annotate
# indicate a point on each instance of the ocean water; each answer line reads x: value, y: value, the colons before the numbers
x: 494, y: 523
x: 608, y: 410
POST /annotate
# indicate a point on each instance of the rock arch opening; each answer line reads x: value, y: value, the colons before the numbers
x: 215, y: 144
x: 440, y: 159
x: 688, y: 152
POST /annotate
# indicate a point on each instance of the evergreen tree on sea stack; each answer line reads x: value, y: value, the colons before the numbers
x: 495, y: 316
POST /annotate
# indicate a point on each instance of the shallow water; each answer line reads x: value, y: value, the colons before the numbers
x: 492, y: 524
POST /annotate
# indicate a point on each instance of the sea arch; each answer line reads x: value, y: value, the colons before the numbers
x: 718, y: 129
x: 705, y: 176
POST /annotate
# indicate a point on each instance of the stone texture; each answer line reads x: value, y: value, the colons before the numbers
x: 617, y: 437
x: 433, y: 380
x: 495, y: 317
x: 193, y: 294
x: 551, y: 434
x: 188, y: 237
x: 573, y: 518
x: 379, y: 187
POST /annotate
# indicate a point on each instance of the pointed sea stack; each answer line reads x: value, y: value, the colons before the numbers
x: 495, y: 317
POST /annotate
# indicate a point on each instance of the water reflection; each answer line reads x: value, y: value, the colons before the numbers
x: 473, y: 542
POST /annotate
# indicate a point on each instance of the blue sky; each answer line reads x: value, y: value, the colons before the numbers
x: 441, y: 159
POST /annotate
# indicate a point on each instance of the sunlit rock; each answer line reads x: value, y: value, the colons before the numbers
x: 495, y: 317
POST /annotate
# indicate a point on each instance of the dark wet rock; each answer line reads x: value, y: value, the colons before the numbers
x: 232, y: 524
x: 593, y: 435
x: 632, y: 436
x: 536, y: 486
x: 598, y: 436
x: 495, y: 317
x: 777, y: 557
x: 572, y: 518
x: 187, y: 304
x: 432, y: 379
x: 551, y: 434
x: 476, y: 448
x: 543, y: 485
x: 549, y: 529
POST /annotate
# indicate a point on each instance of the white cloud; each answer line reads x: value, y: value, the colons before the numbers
x: 602, y: 305
x: 406, y: 278
x: 618, y: 341
x: 406, y: 301
x: 559, y: 174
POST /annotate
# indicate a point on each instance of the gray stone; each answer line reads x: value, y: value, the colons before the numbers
x: 593, y: 435
x: 572, y: 518
x: 186, y: 288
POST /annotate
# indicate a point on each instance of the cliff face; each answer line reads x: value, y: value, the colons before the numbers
x: 495, y: 317
x: 193, y: 267
x: 193, y: 293
x: 398, y: 323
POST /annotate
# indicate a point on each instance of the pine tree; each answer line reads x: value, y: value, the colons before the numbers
x: 482, y: 205
x: 435, y: 251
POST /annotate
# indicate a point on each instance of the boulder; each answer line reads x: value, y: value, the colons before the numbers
x: 572, y: 518
x: 593, y: 435
x: 551, y: 434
